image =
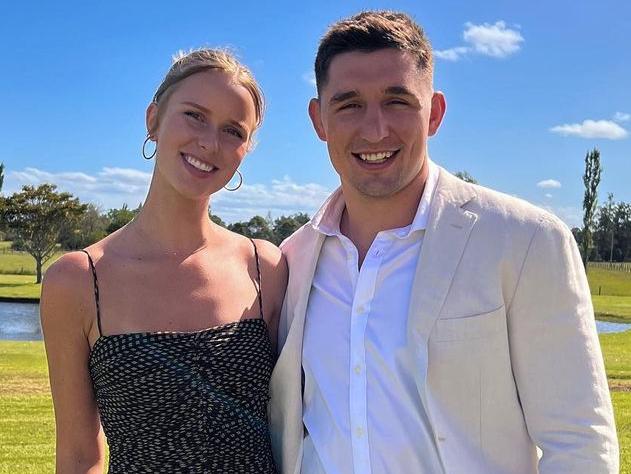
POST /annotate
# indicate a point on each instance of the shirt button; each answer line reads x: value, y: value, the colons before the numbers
x: 357, y: 369
x: 359, y: 431
x: 360, y: 309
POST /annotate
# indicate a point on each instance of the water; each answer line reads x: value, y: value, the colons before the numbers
x: 20, y: 322
x: 605, y: 327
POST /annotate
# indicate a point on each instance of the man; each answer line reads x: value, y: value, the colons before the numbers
x: 429, y: 325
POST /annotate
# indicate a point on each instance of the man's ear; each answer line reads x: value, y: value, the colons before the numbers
x: 439, y: 106
x: 151, y: 120
x: 316, y: 118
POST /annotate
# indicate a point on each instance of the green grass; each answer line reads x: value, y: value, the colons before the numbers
x: 622, y: 407
x: 20, y: 263
x: 27, y: 434
x: 616, y: 309
x: 19, y: 286
x: 27, y: 427
x: 609, y: 282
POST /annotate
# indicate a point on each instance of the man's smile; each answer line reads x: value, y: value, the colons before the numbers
x: 376, y: 157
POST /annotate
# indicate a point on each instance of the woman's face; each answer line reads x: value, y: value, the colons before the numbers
x: 202, y: 133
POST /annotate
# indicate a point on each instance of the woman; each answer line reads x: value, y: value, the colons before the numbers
x: 162, y: 331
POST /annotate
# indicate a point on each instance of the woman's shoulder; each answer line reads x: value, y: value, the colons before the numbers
x: 67, y: 271
x: 67, y: 292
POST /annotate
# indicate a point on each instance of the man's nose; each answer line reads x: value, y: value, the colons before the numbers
x: 374, y: 127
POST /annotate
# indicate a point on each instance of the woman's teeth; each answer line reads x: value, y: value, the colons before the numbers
x: 375, y: 157
x: 200, y: 165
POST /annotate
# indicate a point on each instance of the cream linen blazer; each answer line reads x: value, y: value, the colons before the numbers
x: 502, y: 327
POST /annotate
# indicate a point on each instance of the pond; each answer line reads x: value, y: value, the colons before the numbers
x: 20, y: 322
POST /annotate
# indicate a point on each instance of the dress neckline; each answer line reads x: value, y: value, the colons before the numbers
x: 173, y: 334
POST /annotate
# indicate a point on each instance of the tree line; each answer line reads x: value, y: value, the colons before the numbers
x: 41, y: 220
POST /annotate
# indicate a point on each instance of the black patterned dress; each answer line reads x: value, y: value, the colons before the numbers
x: 185, y: 402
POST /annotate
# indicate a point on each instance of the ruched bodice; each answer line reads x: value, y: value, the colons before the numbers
x: 186, y: 402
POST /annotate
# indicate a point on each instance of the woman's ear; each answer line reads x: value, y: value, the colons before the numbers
x: 151, y: 120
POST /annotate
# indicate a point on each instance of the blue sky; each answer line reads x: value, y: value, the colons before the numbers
x: 530, y: 87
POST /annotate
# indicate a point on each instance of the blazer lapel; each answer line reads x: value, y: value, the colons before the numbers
x: 286, y: 383
x: 446, y: 236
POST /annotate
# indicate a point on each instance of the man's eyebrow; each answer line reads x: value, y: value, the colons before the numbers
x: 342, y: 96
x: 398, y: 90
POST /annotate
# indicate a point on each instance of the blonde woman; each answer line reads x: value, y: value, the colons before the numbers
x: 162, y: 332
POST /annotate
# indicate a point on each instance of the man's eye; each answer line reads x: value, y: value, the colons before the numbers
x: 397, y: 102
x: 194, y: 115
x: 349, y: 106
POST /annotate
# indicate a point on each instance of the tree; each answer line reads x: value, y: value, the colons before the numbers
x: 90, y: 227
x: 120, y: 217
x: 284, y: 226
x: 591, y: 180
x: 216, y: 219
x: 256, y: 228
x: 465, y: 176
x: 1, y: 175
x: 37, y: 215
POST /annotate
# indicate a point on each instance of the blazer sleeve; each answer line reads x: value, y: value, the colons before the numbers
x: 557, y: 361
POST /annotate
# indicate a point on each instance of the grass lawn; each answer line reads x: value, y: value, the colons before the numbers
x: 27, y: 434
x: 19, y: 286
x: 616, y: 309
x: 20, y: 263
x: 609, y: 282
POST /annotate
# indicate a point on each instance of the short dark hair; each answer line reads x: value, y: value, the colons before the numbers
x: 369, y: 31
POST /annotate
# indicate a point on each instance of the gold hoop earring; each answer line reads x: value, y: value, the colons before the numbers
x: 238, y: 185
x: 144, y: 153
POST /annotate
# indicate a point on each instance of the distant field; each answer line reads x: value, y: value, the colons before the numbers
x: 19, y: 286
x: 17, y: 279
x: 609, y: 282
x: 19, y: 263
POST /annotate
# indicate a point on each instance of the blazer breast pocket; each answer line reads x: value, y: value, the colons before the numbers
x: 478, y: 326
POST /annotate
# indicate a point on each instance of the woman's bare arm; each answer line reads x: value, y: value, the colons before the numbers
x: 67, y: 311
x: 274, y: 283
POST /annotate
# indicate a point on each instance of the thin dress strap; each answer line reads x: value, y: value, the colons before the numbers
x: 96, y: 291
x: 258, y: 278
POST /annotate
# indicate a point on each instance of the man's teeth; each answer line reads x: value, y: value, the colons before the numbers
x: 200, y: 165
x: 376, y: 156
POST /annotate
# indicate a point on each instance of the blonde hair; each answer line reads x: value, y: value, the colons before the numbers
x: 186, y: 64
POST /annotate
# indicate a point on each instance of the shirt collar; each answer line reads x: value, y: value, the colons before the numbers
x: 327, y: 219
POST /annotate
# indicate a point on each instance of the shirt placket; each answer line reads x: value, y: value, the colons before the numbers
x: 364, y: 290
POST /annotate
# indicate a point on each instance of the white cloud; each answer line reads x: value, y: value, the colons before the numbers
x: 548, y: 195
x: 452, y: 54
x: 110, y: 187
x: 622, y: 117
x: 549, y: 184
x: 283, y: 196
x: 309, y: 78
x: 113, y: 187
x: 495, y: 40
x: 592, y: 129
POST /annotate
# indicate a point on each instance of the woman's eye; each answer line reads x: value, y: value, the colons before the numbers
x: 195, y: 115
x: 234, y: 131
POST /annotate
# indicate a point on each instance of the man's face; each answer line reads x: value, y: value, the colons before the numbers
x: 376, y: 112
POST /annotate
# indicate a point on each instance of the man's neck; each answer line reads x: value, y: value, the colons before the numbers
x: 364, y: 217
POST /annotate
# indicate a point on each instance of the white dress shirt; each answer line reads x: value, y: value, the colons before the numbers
x: 361, y: 407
